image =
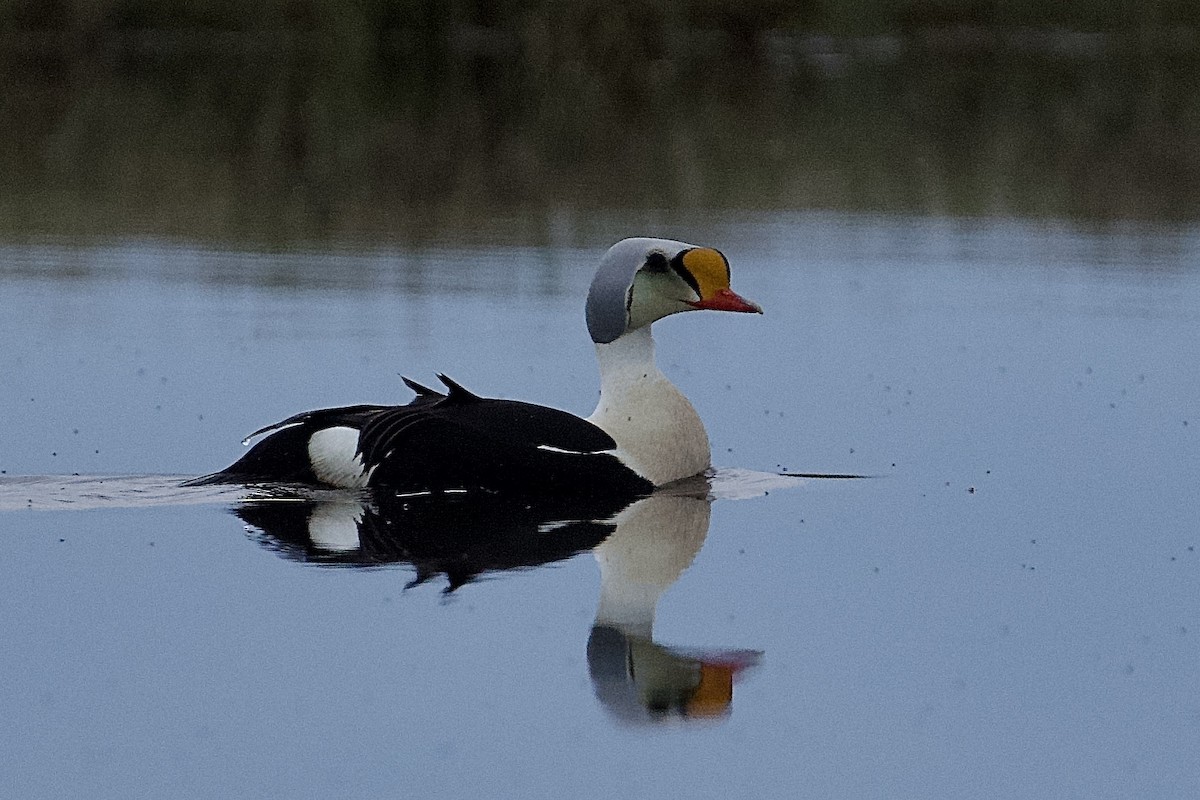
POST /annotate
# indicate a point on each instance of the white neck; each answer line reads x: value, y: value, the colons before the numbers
x: 658, y: 433
x: 627, y: 359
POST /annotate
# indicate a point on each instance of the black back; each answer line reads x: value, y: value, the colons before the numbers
x: 454, y: 441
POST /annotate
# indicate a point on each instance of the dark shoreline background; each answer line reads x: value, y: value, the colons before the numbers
x: 283, y: 121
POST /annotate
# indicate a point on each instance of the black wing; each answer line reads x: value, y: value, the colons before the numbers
x: 453, y: 441
x: 464, y: 441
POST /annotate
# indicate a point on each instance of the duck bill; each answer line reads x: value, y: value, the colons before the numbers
x: 728, y: 300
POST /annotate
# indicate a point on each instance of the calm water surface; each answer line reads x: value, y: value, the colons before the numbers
x: 1008, y: 609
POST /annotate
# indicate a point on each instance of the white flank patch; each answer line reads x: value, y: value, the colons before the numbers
x: 333, y: 453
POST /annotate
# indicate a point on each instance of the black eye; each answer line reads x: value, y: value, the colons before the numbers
x: 656, y: 262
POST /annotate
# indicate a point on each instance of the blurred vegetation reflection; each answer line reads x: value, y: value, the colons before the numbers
x: 295, y: 119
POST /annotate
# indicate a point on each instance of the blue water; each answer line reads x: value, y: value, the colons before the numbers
x: 1008, y: 608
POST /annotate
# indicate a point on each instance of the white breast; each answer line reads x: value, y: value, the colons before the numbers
x: 658, y: 432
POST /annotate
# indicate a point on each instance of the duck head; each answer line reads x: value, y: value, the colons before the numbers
x: 642, y: 280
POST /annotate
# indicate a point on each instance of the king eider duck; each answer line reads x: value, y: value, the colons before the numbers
x: 643, y: 434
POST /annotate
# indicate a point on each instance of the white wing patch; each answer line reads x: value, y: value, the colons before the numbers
x: 333, y: 453
x: 549, y: 448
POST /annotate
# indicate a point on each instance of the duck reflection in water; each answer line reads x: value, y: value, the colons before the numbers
x: 642, y: 548
x: 461, y: 536
x: 637, y: 679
